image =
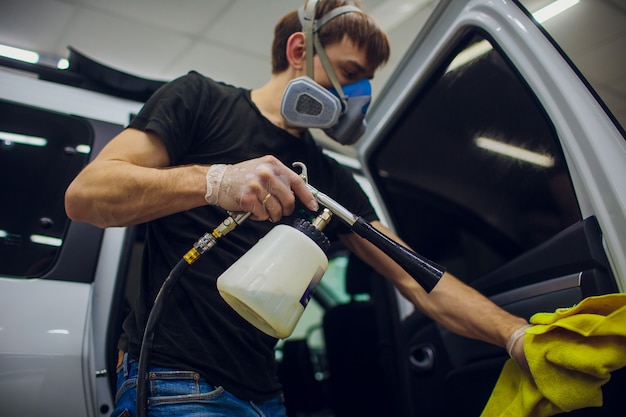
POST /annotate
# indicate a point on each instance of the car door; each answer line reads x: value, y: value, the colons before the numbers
x: 57, y: 278
x: 495, y: 158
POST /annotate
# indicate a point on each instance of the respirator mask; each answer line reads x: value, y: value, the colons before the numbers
x: 338, y: 111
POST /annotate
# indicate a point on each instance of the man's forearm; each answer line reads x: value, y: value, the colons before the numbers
x: 116, y: 193
x: 465, y: 311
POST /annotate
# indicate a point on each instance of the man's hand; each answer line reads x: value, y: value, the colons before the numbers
x: 263, y: 186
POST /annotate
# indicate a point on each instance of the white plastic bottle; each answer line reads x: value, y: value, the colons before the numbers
x: 271, y: 284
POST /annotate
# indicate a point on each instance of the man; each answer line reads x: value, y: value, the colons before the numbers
x: 199, y: 148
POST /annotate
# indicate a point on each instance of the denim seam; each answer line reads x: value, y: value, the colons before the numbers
x: 126, y: 385
x: 257, y: 409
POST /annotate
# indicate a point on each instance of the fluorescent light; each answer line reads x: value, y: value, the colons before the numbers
x: 10, y: 138
x: 58, y: 331
x: 46, y: 240
x: 63, y: 64
x: 84, y: 149
x: 553, y: 9
x: 469, y: 54
x: 515, y: 152
x: 19, y: 54
x: 3, y: 233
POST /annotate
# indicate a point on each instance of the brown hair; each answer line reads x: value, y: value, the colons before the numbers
x: 359, y: 27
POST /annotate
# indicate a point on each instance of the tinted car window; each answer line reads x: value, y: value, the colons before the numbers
x: 473, y: 171
x: 40, y: 153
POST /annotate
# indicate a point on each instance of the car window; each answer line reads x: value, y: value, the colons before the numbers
x: 331, y: 291
x: 309, y: 331
x: 473, y: 172
x: 40, y: 153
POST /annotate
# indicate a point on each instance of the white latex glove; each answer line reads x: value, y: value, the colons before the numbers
x: 515, y: 347
x: 263, y: 186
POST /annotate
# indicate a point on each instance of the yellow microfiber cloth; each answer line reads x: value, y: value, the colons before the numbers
x: 571, y: 354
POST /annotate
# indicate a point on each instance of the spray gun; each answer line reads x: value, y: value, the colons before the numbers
x: 272, y: 283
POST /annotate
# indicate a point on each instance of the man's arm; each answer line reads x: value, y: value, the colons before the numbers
x: 454, y: 305
x: 131, y: 182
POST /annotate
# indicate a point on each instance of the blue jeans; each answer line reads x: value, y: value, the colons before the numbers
x: 185, y: 393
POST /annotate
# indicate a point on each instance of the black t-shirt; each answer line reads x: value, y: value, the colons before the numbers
x: 205, y: 122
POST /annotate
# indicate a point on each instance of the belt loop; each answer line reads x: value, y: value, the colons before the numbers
x: 125, y: 364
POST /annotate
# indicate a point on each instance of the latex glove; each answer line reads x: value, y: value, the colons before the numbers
x: 263, y: 186
x: 515, y: 347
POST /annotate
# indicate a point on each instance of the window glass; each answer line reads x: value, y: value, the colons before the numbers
x: 473, y: 172
x: 332, y: 291
x: 40, y: 153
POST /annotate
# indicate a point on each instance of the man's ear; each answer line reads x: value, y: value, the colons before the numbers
x: 296, y: 46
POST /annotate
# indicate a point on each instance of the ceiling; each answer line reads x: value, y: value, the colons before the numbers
x: 229, y: 40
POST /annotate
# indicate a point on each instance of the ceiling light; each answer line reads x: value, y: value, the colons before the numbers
x: 58, y: 331
x: 46, y: 240
x: 63, y: 64
x: 84, y: 149
x: 515, y: 152
x: 553, y: 9
x: 19, y: 54
x: 10, y: 138
x: 469, y: 54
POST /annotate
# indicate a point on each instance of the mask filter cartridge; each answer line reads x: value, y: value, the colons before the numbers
x: 307, y: 104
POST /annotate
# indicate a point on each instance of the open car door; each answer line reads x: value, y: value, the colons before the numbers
x: 494, y: 158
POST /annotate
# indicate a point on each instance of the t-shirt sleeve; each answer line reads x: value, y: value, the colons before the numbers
x: 172, y: 113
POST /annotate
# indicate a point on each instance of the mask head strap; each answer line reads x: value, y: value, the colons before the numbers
x: 311, y: 26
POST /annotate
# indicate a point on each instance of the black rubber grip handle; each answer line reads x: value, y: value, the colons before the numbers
x: 424, y: 271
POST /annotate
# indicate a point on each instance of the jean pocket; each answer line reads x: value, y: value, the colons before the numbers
x: 124, y: 390
x: 178, y: 387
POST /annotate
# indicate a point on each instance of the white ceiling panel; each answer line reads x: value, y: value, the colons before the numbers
x: 248, y: 26
x: 184, y: 16
x: 222, y: 64
x: 35, y: 24
x: 129, y: 46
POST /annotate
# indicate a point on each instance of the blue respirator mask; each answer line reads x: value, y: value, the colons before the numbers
x: 338, y: 111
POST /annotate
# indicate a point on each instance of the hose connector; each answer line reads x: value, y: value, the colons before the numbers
x: 208, y: 240
x: 321, y: 221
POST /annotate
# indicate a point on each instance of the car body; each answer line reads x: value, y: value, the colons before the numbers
x: 536, y: 225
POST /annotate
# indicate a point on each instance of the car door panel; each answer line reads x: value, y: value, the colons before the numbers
x: 41, y: 345
x: 577, y: 250
x: 440, y: 358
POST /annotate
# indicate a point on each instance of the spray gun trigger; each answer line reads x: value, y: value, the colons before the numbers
x: 303, y: 174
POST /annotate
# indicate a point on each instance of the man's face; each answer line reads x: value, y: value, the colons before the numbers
x: 348, y: 61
